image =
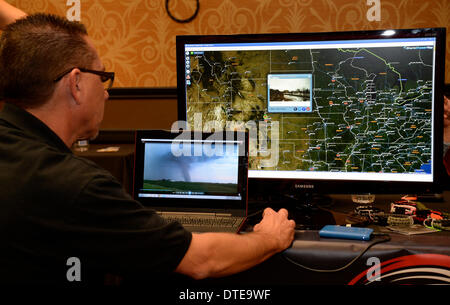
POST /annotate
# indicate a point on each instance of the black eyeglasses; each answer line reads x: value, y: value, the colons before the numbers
x: 107, y: 78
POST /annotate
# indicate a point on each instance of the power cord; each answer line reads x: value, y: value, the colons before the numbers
x: 375, y: 242
x: 255, y: 213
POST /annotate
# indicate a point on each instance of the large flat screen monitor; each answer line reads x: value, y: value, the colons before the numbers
x: 341, y: 112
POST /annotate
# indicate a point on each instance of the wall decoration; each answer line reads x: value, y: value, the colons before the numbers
x: 136, y: 39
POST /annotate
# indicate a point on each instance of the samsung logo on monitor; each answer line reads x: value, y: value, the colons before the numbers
x: 304, y: 186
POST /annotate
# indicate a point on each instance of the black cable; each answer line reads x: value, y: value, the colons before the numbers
x: 183, y: 20
x: 375, y: 242
x: 255, y: 213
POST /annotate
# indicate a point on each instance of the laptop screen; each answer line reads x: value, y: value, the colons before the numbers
x: 190, y: 166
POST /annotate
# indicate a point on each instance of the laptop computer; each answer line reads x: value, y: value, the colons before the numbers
x: 198, y: 179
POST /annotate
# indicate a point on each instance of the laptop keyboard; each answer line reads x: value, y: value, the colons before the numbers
x: 212, y: 224
x: 204, y: 221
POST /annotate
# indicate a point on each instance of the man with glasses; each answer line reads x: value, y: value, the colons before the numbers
x: 57, y: 209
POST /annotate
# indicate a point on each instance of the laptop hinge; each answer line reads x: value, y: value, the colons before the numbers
x: 194, y: 214
x: 223, y: 214
x: 186, y: 213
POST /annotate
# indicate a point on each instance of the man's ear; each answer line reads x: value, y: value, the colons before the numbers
x: 74, y: 83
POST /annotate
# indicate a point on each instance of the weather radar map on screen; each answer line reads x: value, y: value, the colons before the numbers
x: 359, y: 109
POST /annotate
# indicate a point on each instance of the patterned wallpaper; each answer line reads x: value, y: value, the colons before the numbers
x: 136, y: 38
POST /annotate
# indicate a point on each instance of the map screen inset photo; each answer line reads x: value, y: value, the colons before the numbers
x: 289, y: 93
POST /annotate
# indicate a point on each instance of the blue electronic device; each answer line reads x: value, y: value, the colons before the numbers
x: 334, y: 231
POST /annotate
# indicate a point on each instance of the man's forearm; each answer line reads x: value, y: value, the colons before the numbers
x: 221, y: 254
x: 9, y: 13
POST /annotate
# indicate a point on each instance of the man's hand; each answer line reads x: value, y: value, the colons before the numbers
x: 221, y: 254
x: 276, y: 225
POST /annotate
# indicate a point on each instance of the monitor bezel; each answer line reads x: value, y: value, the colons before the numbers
x: 337, y: 186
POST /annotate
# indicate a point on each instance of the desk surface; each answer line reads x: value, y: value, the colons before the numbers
x: 405, y: 259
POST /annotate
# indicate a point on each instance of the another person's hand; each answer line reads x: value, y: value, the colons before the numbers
x: 446, y: 119
x: 276, y: 225
x: 9, y: 14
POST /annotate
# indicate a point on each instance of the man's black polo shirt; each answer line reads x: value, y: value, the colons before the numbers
x: 55, y: 206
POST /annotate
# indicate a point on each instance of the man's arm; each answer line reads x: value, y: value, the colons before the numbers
x: 221, y: 254
x: 9, y: 14
x: 446, y: 119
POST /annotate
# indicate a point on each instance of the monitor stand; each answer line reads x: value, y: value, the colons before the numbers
x: 363, y: 199
x: 307, y: 210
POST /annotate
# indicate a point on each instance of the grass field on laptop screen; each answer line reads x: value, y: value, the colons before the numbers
x: 184, y: 186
